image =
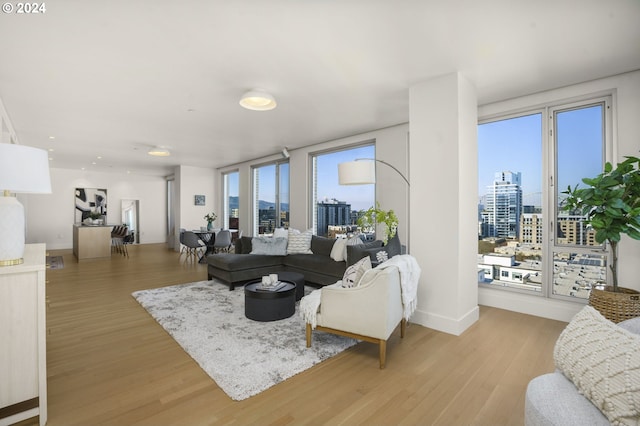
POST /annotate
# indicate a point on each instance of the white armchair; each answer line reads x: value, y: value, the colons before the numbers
x: 370, y: 312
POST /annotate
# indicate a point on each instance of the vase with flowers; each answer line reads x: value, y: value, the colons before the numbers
x: 210, y: 218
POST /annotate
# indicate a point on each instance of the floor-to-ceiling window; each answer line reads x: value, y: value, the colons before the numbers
x: 270, y: 197
x: 336, y: 208
x: 526, y: 241
x: 231, y: 200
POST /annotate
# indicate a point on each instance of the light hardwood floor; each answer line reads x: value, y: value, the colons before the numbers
x: 110, y: 363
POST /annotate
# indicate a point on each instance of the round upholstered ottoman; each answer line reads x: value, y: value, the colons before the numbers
x: 294, y: 277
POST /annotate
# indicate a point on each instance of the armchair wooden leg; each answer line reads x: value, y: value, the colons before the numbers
x: 383, y: 353
x: 403, y: 327
x: 308, y: 335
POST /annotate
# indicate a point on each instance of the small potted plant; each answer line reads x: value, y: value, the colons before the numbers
x: 611, y: 205
x: 375, y: 215
x: 96, y: 218
x: 210, y: 217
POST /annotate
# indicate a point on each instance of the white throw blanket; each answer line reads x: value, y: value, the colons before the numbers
x: 409, y: 275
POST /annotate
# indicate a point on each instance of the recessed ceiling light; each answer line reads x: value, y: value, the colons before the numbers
x: 159, y: 152
x: 52, y: 137
x: 258, y: 100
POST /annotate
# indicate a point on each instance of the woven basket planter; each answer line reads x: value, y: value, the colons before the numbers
x: 616, y: 307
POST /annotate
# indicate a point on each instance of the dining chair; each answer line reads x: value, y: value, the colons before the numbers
x: 222, y: 241
x: 192, y: 242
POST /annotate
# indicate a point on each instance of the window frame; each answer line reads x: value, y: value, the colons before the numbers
x: 255, y: 225
x: 549, y: 174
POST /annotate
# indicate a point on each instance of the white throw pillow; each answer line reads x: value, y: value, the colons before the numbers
x: 300, y: 243
x: 603, y: 362
x: 354, y: 272
x: 339, y: 249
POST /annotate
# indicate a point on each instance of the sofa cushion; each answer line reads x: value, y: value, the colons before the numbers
x: 321, y: 245
x: 603, y: 362
x: 355, y: 253
x: 243, y: 245
x: 269, y: 245
x: 234, y: 262
x: 552, y: 399
x: 315, y: 262
x: 352, y: 241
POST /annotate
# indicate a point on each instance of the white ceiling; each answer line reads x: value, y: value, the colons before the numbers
x: 112, y: 78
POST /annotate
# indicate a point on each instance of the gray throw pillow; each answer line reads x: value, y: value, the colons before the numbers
x: 245, y: 245
x: 393, y: 247
x: 269, y: 246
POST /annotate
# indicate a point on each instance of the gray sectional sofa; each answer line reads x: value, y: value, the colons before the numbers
x: 319, y: 269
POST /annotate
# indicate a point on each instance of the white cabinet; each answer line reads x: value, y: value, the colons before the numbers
x: 23, y: 366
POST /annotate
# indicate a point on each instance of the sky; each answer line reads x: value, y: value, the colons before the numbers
x: 517, y: 145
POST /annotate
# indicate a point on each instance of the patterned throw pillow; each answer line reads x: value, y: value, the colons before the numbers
x: 354, y: 272
x: 603, y: 362
x: 300, y: 243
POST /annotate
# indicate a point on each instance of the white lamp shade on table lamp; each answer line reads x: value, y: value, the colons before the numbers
x: 357, y: 172
x: 23, y: 169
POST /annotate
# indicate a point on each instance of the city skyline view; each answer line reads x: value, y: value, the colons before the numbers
x: 517, y: 145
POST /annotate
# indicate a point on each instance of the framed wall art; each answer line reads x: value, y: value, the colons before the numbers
x: 199, y: 200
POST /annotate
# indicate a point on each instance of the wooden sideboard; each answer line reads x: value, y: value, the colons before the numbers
x: 23, y: 364
x: 91, y: 242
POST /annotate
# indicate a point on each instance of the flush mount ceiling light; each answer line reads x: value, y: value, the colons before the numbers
x: 258, y: 100
x: 158, y: 151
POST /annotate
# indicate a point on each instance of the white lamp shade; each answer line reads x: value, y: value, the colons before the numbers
x: 357, y: 172
x: 24, y: 169
x: 258, y: 100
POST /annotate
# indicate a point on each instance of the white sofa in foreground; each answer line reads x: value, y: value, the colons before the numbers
x: 597, y: 377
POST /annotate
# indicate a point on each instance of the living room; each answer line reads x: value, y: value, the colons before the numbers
x: 443, y: 102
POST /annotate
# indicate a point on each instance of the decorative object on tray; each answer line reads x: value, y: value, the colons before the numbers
x: 611, y: 205
x: 270, y: 283
x: 244, y: 357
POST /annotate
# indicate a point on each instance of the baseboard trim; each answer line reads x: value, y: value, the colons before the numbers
x: 447, y: 324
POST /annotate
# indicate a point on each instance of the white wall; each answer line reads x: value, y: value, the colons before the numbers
x: 50, y: 217
x: 626, y: 138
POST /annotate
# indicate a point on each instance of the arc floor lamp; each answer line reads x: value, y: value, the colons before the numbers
x: 362, y: 171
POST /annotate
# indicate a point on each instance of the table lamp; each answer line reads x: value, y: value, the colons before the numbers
x: 23, y: 169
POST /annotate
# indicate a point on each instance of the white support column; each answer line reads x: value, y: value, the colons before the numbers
x: 443, y: 165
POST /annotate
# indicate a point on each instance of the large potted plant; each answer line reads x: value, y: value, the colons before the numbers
x: 375, y: 215
x: 611, y: 205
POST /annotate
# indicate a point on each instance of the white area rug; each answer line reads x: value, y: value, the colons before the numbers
x: 244, y: 357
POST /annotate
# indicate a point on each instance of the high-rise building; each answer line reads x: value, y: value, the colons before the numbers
x: 531, y: 228
x: 332, y: 212
x: 501, y: 216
